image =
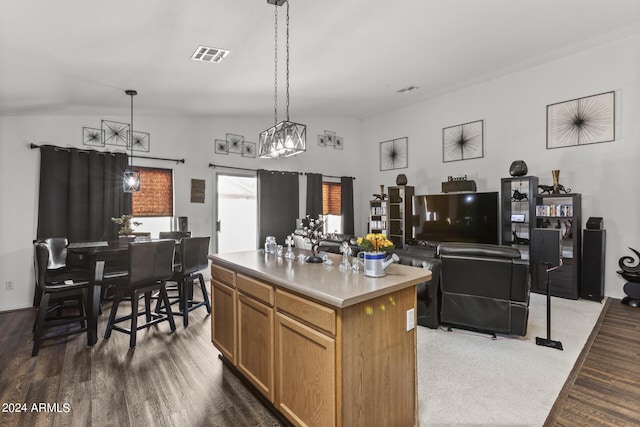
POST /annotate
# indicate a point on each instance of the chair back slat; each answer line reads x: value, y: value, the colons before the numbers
x: 150, y: 261
x: 193, y: 254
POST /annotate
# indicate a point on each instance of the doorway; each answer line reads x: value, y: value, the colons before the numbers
x: 236, y: 212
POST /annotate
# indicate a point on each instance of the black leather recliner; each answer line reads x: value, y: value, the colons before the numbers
x: 428, y: 292
x: 484, y: 287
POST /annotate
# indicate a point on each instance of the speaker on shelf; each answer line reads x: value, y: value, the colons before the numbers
x: 593, y: 256
x: 594, y: 223
x: 546, y: 247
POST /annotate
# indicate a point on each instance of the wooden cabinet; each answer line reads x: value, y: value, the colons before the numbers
x: 306, y: 360
x: 399, y: 214
x: 305, y: 373
x: 319, y: 364
x: 562, y: 211
x: 256, y: 333
x: 223, y: 311
x: 518, y: 211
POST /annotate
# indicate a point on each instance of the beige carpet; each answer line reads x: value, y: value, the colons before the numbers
x: 469, y: 379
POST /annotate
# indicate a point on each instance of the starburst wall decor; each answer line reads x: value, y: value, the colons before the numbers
x: 235, y: 144
x: 581, y: 121
x: 463, y: 142
x: 394, y: 154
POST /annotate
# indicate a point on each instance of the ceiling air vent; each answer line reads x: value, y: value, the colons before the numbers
x: 209, y: 54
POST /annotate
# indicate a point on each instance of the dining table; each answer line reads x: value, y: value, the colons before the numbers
x: 96, y: 257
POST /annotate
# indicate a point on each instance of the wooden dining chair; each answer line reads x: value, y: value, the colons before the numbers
x: 54, y: 291
x: 150, y: 266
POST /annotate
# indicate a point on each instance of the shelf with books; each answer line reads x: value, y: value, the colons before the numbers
x: 400, y: 210
x: 564, y: 212
x: 378, y: 216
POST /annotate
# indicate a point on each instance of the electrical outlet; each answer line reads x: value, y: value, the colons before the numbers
x: 8, y: 285
x: 411, y: 319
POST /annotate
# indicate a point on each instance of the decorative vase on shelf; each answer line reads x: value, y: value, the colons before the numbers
x: 401, y: 179
x: 556, y: 181
x: 518, y: 168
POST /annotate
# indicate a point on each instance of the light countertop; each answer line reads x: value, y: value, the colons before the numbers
x: 322, y: 282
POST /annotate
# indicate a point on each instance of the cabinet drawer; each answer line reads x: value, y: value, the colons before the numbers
x: 224, y: 275
x: 310, y: 312
x: 253, y: 288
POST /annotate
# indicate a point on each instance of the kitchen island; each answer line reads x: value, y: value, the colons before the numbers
x: 323, y: 346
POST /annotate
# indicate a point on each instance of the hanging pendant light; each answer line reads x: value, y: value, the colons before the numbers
x: 286, y: 138
x: 131, y: 178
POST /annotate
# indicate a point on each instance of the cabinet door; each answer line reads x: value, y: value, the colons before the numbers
x: 255, y: 343
x: 223, y: 319
x: 305, y: 373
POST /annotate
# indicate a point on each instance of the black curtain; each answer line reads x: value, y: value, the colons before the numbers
x: 80, y: 191
x: 278, y: 195
x: 346, y: 200
x: 314, y: 195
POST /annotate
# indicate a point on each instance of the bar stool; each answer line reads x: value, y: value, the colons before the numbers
x: 150, y: 266
x: 193, y: 255
x: 57, y: 289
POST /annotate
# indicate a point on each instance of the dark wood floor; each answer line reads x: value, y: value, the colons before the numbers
x: 604, y: 387
x: 176, y: 378
x: 170, y: 379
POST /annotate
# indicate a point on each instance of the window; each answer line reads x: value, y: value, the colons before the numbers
x: 155, y: 197
x: 332, y: 206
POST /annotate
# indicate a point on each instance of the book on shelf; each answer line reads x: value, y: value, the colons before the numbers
x: 555, y: 209
x: 378, y: 210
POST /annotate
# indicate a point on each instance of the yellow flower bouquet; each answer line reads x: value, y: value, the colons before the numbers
x: 375, y: 243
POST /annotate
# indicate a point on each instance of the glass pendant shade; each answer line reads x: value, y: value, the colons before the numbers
x: 283, y: 140
x: 131, y: 181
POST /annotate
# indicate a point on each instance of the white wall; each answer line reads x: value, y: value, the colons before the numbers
x: 513, y: 108
x: 188, y: 138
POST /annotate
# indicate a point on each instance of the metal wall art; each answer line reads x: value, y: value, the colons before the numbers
x: 141, y: 141
x: 394, y: 154
x: 116, y: 133
x: 235, y: 144
x: 463, y: 142
x: 93, y: 137
x: 581, y: 121
x: 330, y: 139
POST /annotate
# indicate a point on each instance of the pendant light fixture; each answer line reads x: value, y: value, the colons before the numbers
x: 286, y: 138
x: 131, y: 178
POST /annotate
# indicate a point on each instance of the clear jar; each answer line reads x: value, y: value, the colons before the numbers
x: 270, y: 245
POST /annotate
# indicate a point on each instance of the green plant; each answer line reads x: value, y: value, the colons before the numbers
x: 125, y: 222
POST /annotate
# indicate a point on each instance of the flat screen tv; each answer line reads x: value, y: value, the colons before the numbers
x: 456, y: 217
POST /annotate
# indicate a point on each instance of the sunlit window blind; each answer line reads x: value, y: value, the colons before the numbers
x: 331, y: 200
x: 155, y: 197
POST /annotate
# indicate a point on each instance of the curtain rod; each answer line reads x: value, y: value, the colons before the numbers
x: 33, y: 146
x: 211, y: 165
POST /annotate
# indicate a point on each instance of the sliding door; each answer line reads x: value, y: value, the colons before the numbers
x: 236, y: 212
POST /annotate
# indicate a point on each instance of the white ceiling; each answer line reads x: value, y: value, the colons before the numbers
x: 348, y: 57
